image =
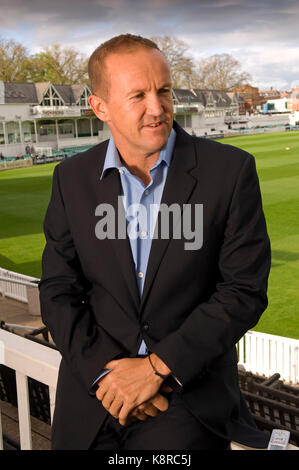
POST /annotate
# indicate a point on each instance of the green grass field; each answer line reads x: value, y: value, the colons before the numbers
x: 24, y: 196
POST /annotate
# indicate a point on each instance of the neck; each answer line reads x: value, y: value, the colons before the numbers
x: 141, y: 166
x: 138, y: 165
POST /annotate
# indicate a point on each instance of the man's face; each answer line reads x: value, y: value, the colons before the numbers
x: 139, y: 109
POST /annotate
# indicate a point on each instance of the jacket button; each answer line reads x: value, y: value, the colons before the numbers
x: 145, y: 326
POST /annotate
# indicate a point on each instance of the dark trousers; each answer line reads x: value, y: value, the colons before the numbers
x: 173, y: 429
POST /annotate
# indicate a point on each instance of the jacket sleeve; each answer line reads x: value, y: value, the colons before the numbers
x: 240, y: 296
x: 84, y: 345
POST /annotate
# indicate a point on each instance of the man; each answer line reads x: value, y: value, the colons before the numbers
x: 147, y: 320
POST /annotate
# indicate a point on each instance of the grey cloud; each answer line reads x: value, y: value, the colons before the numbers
x: 206, y: 25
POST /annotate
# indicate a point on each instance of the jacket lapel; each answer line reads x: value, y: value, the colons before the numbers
x: 178, y: 189
x: 121, y: 260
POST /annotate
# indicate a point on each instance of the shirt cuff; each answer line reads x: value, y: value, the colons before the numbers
x: 94, y: 386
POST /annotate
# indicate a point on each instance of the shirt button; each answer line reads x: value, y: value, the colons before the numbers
x: 140, y: 274
x: 143, y: 234
x: 146, y: 192
x: 121, y: 172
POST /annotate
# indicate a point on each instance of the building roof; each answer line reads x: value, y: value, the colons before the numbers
x: 184, y: 95
x: 195, y: 96
x: 32, y: 93
x: 220, y: 98
x: 77, y: 91
x: 20, y: 93
x: 41, y: 89
x: 66, y: 93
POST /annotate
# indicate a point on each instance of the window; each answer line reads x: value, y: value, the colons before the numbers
x: 46, y: 128
x: 13, y: 132
x: 83, y: 100
x: 51, y: 98
x: 65, y: 127
x: 184, y: 120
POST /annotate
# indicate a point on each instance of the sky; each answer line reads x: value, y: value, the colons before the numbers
x: 261, y: 35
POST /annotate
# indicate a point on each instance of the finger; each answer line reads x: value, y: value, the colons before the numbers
x: 111, y: 364
x: 160, y: 402
x: 137, y: 415
x: 141, y: 416
x: 133, y: 416
x: 108, y: 400
x: 165, y: 388
x: 100, y: 393
x: 123, y: 414
x: 102, y: 390
x: 150, y: 410
x: 115, y: 408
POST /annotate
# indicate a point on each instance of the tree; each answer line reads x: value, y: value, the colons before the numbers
x: 13, y: 60
x: 220, y: 72
x: 58, y: 65
x: 181, y: 65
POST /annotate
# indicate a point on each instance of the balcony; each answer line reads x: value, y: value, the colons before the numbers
x: 43, y: 112
x: 188, y: 108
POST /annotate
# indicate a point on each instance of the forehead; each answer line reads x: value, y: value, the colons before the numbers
x: 142, y: 64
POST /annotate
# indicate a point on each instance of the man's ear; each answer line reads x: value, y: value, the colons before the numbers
x: 99, y: 107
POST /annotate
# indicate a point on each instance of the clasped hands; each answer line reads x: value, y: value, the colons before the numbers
x: 132, y: 390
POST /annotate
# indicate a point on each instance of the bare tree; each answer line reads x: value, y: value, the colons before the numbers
x: 220, y: 72
x: 181, y: 65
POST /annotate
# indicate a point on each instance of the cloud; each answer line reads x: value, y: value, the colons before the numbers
x: 277, y: 67
x: 253, y: 30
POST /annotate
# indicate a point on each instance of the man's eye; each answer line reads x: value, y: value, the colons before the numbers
x: 140, y: 95
x: 164, y: 90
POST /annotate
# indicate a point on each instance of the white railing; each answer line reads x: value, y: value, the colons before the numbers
x: 266, y: 354
x: 28, y: 359
x: 259, y: 353
x: 10, y: 287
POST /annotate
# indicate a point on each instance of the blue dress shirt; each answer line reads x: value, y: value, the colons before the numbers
x: 142, y: 221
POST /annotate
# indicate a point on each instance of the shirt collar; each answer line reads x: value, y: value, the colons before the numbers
x: 112, y: 159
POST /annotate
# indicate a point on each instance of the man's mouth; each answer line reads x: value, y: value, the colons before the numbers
x: 155, y: 124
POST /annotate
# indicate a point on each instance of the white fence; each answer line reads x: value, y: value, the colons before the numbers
x: 41, y: 363
x: 266, y: 354
x: 28, y: 359
x: 9, y: 286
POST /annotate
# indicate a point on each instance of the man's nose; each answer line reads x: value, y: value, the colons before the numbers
x: 153, y: 105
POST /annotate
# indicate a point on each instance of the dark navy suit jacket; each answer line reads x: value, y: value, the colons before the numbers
x: 195, y: 305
